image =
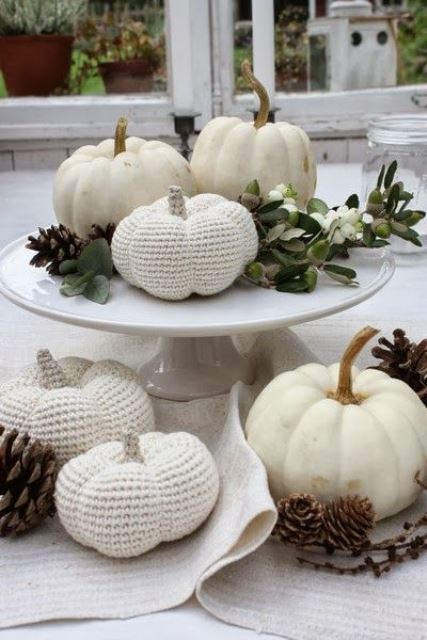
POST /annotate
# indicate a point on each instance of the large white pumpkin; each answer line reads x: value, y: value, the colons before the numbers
x: 123, y: 500
x: 104, y: 183
x: 179, y: 246
x: 333, y: 431
x: 230, y: 153
x: 74, y: 404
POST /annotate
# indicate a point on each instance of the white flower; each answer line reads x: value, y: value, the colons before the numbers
x: 340, y: 225
x: 274, y: 194
x: 283, y: 191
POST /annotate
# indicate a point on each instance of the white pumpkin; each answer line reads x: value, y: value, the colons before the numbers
x: 230, y: 153
x: 104, y: 183
x: 333, y: 431
x: 179, y: 246
x: 125, y: 499
x: 74, y: 404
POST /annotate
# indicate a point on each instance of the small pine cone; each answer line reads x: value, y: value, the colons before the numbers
x: 300, y: 519
x: 347, y: 522
x: 98, y: 232
x: 28, y: 472
x: 54, y: 245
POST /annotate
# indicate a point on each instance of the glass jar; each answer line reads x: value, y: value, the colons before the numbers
x: 402, y: 138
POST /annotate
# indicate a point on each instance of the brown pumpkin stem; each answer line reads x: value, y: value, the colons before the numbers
x: 344, y: 392
x: 260, y: 90
x: 176, y: 202
x: 131, y: 447
x: 120, y: 136
x: 53, y: 376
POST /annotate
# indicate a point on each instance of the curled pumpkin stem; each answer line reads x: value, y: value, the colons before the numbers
x: 344, y: 392
x: 260, y: 90
x: 131, y: 447
x: 120, y: 136
x: 53, y: 376
x: 176, y: 202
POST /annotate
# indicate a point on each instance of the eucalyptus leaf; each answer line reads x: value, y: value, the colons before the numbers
x: 315, y: 205
x: 390, y: 173
x: 289, y: 272
x: 293, y: 286
x: 74, y: 284
x: 96, y: 257
x: 98, y: 289
x: 67, y: 266
x: 339, y: 270
x: 270, y: 206
x: 352, y: 201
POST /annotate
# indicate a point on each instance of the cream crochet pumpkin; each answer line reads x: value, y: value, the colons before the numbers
x: 123, y: 499
x: 179, y: 246
x: 104, y: 183
x: 74, y: 404
x: 230, y: 153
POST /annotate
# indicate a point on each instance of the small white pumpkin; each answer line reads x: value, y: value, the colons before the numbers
x: 333, y: 431
x: 125, y: 499
x: 179, y: 246
x: 230, y: 153
x: 104, y: 183
x: 74, y: 404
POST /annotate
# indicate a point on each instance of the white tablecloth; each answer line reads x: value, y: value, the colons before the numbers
x: 25, y: 202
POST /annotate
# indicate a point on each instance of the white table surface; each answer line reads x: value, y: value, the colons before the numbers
x: 25, y: 203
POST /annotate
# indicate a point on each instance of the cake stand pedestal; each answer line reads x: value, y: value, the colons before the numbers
x: 197, y: 357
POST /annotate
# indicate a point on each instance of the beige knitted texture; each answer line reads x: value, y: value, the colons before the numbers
x: 123, y: 506
x: 173, y: 256
x: 100, y: 402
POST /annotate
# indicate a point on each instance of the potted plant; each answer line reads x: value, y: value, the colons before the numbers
x: 126, y: 55
x: 36, y: 44
x: 291, y: 49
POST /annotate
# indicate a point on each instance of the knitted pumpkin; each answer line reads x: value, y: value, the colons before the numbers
x: 104, y: 183
x: 74, y: 404
x: 179, y: 246
x: 124, y: 498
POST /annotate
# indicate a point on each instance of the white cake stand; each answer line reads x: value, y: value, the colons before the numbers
x: 196, y: 356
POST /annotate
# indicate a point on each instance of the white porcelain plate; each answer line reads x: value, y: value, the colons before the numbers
x: 242, y: 308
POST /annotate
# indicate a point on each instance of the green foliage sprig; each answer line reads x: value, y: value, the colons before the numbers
x: 296, y: 246
x: 90, y: 274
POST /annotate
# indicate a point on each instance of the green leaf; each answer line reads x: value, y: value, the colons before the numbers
x: 294, y: 246
x: 379, y: 243
x: 275, y: 233
x: 315, y: 205
x: 341, y: 278
x: 408, y: 234
x: 405, y: 196
x: 318, y: 252
x: 98, y: 289
x: 253, y: 188
x: 96, y: 257
x: 368, y: 236
x: 309, y: 224
x: 67, y: 266
x: 273, y: 216
x: 352, y: 201
x: 270, y: 206
x: 339, y: 270
x: 339, y: 250
x: 381, y: 177
x: 74, y: 283
x: 293, y: 286
x: 289, y: 272
x: 402, y: 215
x: 390, y: 173
x: 282, y: 258
x: 393, y: 198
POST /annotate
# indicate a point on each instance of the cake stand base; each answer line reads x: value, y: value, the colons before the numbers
x: 191, y: 368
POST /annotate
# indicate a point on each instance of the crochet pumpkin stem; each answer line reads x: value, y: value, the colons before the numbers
x: 260, y: 90
x: 177, y: 202
x: 131, y: 447
x: 120, y: 136
x: 344, y: 392
x: 53, y: 376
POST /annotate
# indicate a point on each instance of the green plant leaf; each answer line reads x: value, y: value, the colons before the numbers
x: 381, y: 178
x: 275, y: 233
x: 410, y: 235
x: 309, y: 224
x: 294, y: 246
x: 98, y: 289
x: 96, y: 257
x: 339, y: 270
x: 402, y: 215
x: 282, y: 258
x: 390, y: 173
x: 315, y: 205
x: 289, y: 272
x: 273, y: 216
x: 74, y: 283
x: 338, y: 277
x: 253, y: 188
x: 293, y: 286
x: 368, y: 236
x: 352, y: 201
x: 393, y: 198
x: 318, y: 252
x: 270, y: 206
x: 67, y: 267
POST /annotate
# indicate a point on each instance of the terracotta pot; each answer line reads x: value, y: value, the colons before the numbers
x: 35, y: 65
x: 127, y: 76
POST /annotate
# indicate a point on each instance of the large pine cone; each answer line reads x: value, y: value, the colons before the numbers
x: 98, y: 232
x: 54, y: 245
x: 300, y: 519
x: 347, y: 522
x: 28, y: 472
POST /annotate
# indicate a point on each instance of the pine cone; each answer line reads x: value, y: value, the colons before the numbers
x: 99, y: 232
x: 53, y: 245
x: 347, y: 522
x: 404, y: 360
x: 300, y: 519
x: 27, y: 480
